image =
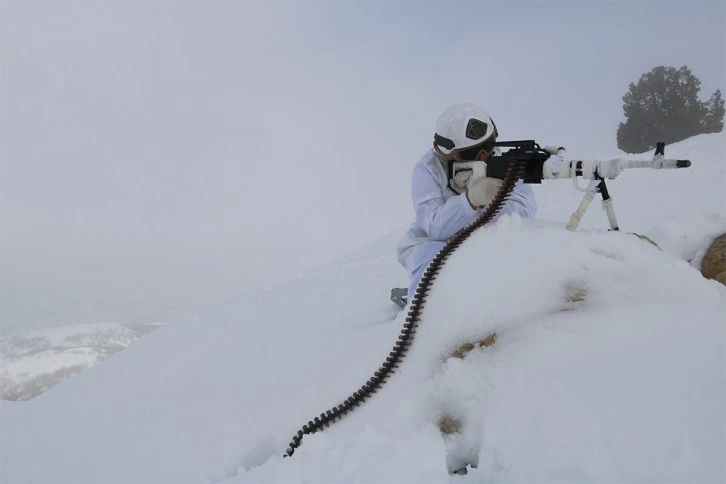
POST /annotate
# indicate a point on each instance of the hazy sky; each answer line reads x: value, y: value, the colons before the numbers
x: 171, y: 148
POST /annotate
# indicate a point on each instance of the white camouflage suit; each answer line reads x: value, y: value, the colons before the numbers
x: 441, y: 213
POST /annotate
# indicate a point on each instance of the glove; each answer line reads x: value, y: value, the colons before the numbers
x: 458, y: 183
x: 483, y: 191
x: 555, y: 166
x: 604, y: 168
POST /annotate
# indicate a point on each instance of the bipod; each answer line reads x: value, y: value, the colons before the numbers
x: 599, y: 186
x: 594, y: 187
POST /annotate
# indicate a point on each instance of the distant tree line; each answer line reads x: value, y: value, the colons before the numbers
x: 664, y: 106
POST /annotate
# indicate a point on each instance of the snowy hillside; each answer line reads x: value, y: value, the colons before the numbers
x: 608, y: 362
x: 33, y: 362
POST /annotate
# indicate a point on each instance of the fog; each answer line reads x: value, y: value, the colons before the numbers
x: 158, y: 155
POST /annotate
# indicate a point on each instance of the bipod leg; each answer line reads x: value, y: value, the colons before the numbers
x: 584, y: 204
x: 607, y: 203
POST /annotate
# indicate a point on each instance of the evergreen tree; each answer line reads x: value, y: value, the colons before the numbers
x: 713, y: 121
x: 664, y: 106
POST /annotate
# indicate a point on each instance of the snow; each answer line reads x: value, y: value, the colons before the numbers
x: 33, y: 362
x: 688, y: 236
x: 609, y: 362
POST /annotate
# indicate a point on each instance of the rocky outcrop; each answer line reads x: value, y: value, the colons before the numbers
x: 713, y: 265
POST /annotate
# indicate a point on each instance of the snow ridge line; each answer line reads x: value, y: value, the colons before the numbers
x: 514, y: 172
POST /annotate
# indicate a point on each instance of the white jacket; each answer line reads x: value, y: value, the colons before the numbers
x: 441, y: 212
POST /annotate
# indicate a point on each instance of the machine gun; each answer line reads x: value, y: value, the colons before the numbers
x: 534, y: 157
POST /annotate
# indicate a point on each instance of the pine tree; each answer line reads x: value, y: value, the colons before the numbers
x: 713, y: 121
x: 664, y: 106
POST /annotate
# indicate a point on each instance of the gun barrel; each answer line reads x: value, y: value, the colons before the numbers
x: 659, y: 163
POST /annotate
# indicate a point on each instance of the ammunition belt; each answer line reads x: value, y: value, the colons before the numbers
x: 381, y: 376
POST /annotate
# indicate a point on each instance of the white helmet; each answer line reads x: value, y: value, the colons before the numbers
x: 463, y: 126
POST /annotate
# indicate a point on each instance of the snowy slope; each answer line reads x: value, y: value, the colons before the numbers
x: 35, y: 361
x: 608, y: 365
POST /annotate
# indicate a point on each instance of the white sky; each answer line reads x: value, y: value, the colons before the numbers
x: 164, y: 147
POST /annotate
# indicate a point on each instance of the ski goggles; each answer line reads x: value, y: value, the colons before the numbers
x: 466, y: 154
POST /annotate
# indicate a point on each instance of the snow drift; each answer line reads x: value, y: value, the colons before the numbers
x: 580, y: 384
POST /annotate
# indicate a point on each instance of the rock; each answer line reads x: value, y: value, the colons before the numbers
x: 464, y: 349
x: 713, y: 265
x: 647, y: 239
